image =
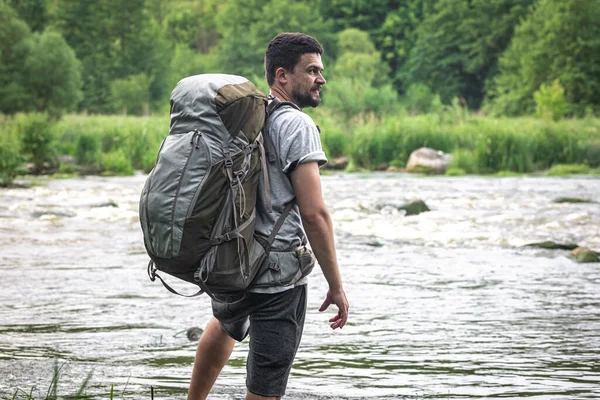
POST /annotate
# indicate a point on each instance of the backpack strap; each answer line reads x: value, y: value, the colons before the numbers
x: 279, y: 223
x: 273, y: 106
x: 153, y: 275
x: 268, y: 149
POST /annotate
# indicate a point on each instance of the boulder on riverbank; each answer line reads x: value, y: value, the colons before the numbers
x: 550, y: 245
x: 428, y: 160
x: 584, y: 255
x: 338, y: 163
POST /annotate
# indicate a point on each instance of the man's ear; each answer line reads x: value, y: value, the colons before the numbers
x: 281, y: 75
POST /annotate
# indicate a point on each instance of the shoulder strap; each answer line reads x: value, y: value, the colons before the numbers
x: 271, y: 108
x: 276, y: 103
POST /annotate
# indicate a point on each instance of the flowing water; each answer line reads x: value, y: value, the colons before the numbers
x: 447, y: 304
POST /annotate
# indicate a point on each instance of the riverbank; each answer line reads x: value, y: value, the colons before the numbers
x: 118, y: 145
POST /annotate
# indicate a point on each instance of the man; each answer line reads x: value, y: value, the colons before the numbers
x: 273, y: 311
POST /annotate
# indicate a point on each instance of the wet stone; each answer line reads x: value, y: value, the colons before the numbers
x: 584, y: 255
x: 414, y: 207
x: 550, y: 245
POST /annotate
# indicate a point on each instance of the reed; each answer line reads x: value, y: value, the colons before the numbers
x: 118, y: 145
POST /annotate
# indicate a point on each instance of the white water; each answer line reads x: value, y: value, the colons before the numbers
x: 451, y: 306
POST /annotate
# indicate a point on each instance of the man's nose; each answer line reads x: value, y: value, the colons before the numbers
x: 321, y: 79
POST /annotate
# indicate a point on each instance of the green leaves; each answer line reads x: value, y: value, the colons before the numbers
x: 559, y: 40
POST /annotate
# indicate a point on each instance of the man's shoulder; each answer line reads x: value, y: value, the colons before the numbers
x: 290, y: 117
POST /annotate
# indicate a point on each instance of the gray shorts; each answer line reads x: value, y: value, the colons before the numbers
x: 274, y: 323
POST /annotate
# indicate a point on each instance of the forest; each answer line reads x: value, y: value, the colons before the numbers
x: 503, y: 85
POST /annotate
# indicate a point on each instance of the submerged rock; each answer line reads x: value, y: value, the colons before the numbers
x: 414, y: 207
x: 109, y: 203
x: 550, y: 245
x: 428, y: 160
x: 194, y: 333
x: 67, y: 214
x: 584, y: 255
x: 571, y: 200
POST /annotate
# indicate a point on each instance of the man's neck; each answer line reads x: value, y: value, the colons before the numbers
x: 280, y: 94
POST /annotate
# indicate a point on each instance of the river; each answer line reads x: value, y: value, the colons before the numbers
x: 447, y: 304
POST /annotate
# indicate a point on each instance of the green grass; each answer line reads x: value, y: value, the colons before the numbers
x: 568, y: 169
x: 118, y: 145
x: 52, y: 392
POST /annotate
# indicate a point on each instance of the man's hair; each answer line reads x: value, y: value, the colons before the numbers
x: 285, y: 50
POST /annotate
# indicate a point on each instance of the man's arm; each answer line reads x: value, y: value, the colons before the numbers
x: 319, y: 229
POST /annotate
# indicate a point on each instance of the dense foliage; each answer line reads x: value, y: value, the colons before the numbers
x: 400, y: 74
x: 110, y: 56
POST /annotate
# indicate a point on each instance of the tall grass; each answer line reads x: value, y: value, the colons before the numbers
x: 119, y: 145
x: 487, y: 145
x: 116, y: 144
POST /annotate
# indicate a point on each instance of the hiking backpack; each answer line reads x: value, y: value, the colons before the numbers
x: 197, y: 208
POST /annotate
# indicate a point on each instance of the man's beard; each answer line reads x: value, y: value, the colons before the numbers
x: 304, y: 100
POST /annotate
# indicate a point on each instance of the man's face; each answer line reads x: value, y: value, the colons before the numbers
x: 306, y: 81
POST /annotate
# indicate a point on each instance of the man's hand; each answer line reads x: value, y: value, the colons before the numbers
x: 339, y: 299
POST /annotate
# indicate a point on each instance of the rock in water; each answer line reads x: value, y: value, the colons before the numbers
x: 426, y: 159
x: 584, y: 255
x: 550, y: 245
x: 570, y: 200
x: 414, y: 207
x: 194, y: 333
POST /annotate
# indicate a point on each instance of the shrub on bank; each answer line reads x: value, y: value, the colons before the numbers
x: 10, y: 154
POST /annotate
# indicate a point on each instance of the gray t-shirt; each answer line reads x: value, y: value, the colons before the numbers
x: 296, y: 140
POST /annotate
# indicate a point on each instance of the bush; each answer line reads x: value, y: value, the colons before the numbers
x: 116, y: 163
x: 349, y: 98
x: 35, y: 131
x: 567, y: 169
x: 591, y: 152
x: 10, y: 154
x: 550, y: 101
x: 465, y: 161
x: 333, y: 136
x: 87, y: 150
x: 420, y: 99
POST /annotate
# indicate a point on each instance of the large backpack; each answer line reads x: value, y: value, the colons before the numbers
x: 197, y: 208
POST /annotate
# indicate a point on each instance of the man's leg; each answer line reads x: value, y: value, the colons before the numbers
x: 213, y: 351
x: 275, y: 334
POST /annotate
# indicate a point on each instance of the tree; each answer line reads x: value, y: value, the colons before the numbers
x: 458, y: 46
x: 192, y: 23
x: 358, y: 59
x: 33, y: 12
x: 53, y: 74
x: 397, y: 36
x: 246, y: 30
x: 13, y: 51
x: 113, y: 39
x: 559, y: 40
x: 131, y: 94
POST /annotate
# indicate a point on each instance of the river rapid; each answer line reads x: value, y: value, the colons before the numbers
x: 446, y: 304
